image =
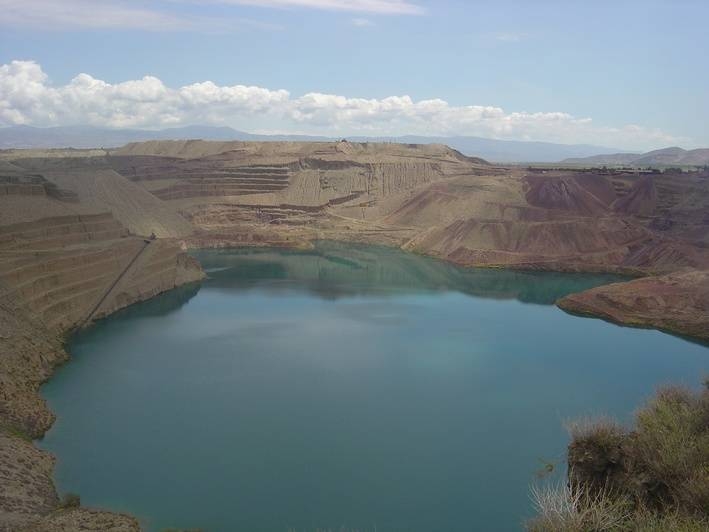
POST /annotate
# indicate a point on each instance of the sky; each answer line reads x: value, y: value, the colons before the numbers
x: 629, y: 74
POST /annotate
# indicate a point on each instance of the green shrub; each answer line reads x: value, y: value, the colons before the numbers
x: 671, y: 449
x: 654, y: 476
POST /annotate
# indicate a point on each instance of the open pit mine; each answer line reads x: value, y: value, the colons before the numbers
x: 84, y: 233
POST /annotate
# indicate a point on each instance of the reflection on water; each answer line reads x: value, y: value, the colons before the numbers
x: 348, y: 387
x: 168, y: 302
x: 333, y: 270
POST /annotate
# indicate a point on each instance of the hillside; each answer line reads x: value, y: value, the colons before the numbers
x: 504, y: 151
x: 66, y: 259
x: 424, y: 197
x: 665, y: 157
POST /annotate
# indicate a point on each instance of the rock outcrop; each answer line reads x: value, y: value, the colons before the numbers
x: 677, y: 302
x: 29, y: 501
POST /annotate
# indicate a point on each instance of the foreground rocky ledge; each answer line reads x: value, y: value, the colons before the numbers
x: 29, y: 500
x: 677, y: 303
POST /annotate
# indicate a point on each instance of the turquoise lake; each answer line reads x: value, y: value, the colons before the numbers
x: 344, y: 388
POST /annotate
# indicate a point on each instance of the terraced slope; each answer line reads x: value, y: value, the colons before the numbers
x: 56, y: 272
x: 61, y: 272
x: 429, y: 199
x: 94, y: 188
x: 234, y: 182
x: 61, y: 269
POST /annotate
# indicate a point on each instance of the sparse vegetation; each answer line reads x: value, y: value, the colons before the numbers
x: 653, y: 477
x: 563, y: 507
x: 15, y: 431
x: 70, y: 500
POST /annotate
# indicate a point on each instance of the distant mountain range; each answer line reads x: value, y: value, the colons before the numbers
x: 664, y: 157
x: 504, y: 151
x: 501, y: 151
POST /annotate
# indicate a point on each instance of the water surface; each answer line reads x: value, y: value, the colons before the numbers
x: 350, y: 387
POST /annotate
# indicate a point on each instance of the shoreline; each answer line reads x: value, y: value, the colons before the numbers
x: 35, y: 350
x: 675, y: 304
x: 126, y: 522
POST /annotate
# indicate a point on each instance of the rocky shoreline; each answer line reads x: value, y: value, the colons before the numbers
x: 30, y: 352
x: 677, y: 303
x: 30, y: 501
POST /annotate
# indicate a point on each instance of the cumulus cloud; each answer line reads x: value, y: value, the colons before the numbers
x: 28, y: 97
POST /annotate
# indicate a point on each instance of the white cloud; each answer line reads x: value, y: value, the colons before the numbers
x: 28, y: 97
x: 60, y: 15
x: 79, y: 14
x: 133, y: 15
x: 384, y: 7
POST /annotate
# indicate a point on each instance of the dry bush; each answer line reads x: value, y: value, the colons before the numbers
x: 653, y: 477
x: 670, y: 449
x: 603, y: 428
x: 669, y: 522
x: 563, y: 508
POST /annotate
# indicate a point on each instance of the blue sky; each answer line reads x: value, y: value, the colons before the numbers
x: 629, y: 74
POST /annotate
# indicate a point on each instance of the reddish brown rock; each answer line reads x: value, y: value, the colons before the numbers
x: 678, y: 303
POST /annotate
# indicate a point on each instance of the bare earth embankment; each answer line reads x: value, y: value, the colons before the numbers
x: 676, y: 302
x: 64, y: 260
x: 75, y: 245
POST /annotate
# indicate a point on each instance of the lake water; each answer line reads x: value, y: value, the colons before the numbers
x: 345, y: 388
